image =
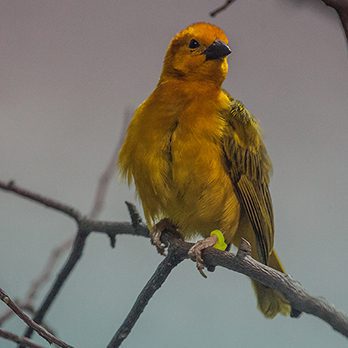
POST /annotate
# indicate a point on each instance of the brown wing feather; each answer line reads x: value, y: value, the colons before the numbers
x: 250, y: 166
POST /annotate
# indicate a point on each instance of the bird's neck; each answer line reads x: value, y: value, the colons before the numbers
x: 190, y: 88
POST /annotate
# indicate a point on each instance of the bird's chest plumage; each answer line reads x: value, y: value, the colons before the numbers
x: 182, y: 172
x: 196, y: 152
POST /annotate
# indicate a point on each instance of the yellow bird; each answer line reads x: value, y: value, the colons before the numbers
x: 197, y: 157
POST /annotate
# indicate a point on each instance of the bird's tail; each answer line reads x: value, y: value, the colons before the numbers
x: 269, y: 301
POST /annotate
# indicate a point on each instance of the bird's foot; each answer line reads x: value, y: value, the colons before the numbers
x: 156, y: 233
x: 195, y: 252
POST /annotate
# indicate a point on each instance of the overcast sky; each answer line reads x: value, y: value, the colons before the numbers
x: 69, y: 70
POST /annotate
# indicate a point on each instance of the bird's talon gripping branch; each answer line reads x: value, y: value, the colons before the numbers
x: 156, y: 233
x: 195, y: 252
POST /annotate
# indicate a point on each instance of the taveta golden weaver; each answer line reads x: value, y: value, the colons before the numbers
x: 197, y: 157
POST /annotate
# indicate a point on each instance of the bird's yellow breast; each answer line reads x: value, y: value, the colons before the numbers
x: 173, y: 151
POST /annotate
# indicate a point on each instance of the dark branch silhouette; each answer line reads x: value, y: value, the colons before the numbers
x: 341, y: 7
x: 32, y: 324
x: 173, y: 258
x: 221, y: 8
x: 243, y: 263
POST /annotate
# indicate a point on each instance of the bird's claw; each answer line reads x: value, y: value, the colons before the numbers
x: 156, y: 233
x: 156, y: 241
x: 195, y: 253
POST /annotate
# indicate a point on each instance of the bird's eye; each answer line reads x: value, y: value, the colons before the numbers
x: 194, y: 44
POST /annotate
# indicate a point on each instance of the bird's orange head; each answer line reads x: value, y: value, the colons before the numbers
x: 197, y: 53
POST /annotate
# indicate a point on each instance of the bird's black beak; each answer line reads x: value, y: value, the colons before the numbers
x: 217, y: 50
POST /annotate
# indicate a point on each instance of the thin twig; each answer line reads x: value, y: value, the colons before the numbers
x: 74, y: 257
x: 46, y: 274
x: 156, y: 281
x: 48, y: 202
x: 173, y: 258
x: 17, y: 339
x: 341, y: 7
x: 32, y: 324
x: 221, y: 8
x: 9, y: 313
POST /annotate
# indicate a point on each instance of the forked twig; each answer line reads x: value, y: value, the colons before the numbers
x: 50, y: 338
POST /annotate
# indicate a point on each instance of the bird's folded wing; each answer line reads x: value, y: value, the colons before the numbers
x: 249, y: 166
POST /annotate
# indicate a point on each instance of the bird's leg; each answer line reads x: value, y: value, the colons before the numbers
x: 158, y: 229
x: 195, y: 252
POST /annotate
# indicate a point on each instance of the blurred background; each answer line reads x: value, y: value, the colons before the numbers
x: 70, y: 69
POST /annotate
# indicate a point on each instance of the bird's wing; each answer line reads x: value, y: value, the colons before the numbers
x: 249, y: 166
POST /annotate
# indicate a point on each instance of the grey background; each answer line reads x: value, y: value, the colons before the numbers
x: 69, y: 69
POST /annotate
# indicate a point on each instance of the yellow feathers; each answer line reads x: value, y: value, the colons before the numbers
x: 197, y: 156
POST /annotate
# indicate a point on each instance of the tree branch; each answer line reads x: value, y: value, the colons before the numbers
x: 32, y: 324
x: 341, y: 7
x: 242, y: 262
x: 74, y: 257
x: 17, y: 339
x: 50, y: 203
x: 173, y: 258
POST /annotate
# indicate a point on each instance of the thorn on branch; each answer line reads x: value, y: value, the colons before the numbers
x: 11, y: 183
x: 295, y: 313
x: 112, y: 237
x: 134, y: 215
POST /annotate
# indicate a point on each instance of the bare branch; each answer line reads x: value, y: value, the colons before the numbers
x: 32, y: 324
x: 48, y: 202
x: 9, y: 313
x: 173, y: 258
x: 74, y: 257
x: 341, y: 7
x: 221, y: 8
x: 243, y: 263
x: 46, y: 274
x: 17, y: 339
